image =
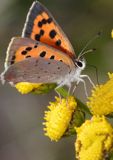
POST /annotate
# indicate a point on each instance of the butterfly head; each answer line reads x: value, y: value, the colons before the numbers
x: 80, y: 63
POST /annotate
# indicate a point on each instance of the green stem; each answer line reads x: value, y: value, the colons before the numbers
x: 110, y: 115
x: 111, y: 156
x: 63, y: 92
x: 83, y: 107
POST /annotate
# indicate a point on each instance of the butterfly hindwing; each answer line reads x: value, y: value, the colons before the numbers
x: 36, y: 70
x: 41, y: 26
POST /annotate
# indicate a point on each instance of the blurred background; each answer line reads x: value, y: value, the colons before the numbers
x: 21, y: 116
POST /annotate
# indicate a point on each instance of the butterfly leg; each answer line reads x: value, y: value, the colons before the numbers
x: 74, y: 88
x: 60, y: 85
x: 58, y: 93
x: 85, y: 88
x: 69, y: 90
x: 86, y: 76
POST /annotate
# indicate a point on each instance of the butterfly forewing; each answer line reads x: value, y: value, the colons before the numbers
x: 41, y: 26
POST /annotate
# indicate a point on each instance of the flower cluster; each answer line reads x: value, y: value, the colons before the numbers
x: 94, y: 137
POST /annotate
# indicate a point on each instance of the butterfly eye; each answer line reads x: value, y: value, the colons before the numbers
x: 79, y: 64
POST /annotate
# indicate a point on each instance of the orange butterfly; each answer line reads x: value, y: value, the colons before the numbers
x: 43, y: 54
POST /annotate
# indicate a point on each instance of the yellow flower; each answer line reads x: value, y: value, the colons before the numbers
x: 101, y: 100
x: 25, y: 87
x: 58, y: 117
x: 110, y: 75
x: 112, y: 33
x: 38, y: 88
x: 94, y: 139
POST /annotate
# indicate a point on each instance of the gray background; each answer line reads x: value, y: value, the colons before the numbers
x: 21, y: 116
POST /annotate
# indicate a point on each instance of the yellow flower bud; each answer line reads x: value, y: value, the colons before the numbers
x: 38, y: 88
x: 110, y: 75
x: 25, y: 87
x: 101, y: 100
x: 112, y: 33
x: 58, y: 117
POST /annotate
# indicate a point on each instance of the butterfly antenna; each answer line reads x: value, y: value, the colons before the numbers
x: 88, y: 51
x: 88, y: 43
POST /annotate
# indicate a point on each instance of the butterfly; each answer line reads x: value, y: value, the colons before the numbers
x: 43, y: 54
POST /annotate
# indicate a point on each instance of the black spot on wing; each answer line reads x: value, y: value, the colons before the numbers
x: 52, y: 57
x: 41, y: 32
x: 13, y: 59
x: 28, y: 56
x: 24, y: 52
x: 58, y: 42
x: 40, y: 24
x: 58, y: 68
x: 52, y: 34
x: 37, y: 37
x: 44, y: 21
x: 35, y: 46
x: 42, y: 54
x: 28, y: 48
x: 49, y: 20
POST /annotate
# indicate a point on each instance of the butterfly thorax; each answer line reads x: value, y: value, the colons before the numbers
x: 74, y: 75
